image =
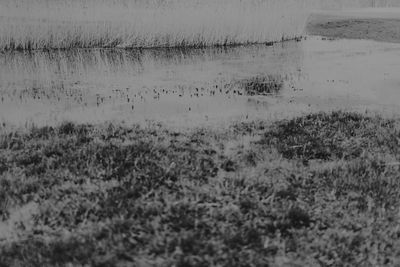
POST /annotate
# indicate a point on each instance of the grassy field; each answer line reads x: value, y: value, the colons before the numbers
x: 321, y: 189
x: 43, y: 24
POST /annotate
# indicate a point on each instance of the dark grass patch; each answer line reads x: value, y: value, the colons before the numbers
x: 365, y: 180
x: 250, y: 128
x: 269, y: 85
x: 55, y: 253
x: 113, y: 195
x: 138, y: 159
x: 3, y: 165
x: 338, y: 135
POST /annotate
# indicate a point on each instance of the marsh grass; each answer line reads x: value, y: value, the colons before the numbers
x: 28, y: 25
x: 148, y: 196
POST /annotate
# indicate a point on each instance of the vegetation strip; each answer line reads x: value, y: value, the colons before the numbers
x: 321, y: 189
x: 41, y: 24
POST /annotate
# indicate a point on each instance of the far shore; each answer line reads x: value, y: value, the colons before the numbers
x: 380, y: 25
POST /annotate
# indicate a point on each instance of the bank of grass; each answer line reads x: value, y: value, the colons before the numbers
x: 38, y: 24
x: 321, y: 189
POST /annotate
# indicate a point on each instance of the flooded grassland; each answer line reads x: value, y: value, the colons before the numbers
x: 235, y: 156
x: 198, y: 86
x: 174, y: 84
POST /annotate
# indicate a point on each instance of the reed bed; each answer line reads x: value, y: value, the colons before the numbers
x: 43, y: 24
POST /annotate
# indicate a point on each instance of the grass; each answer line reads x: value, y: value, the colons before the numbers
x: 321, y: 189
x: 40, y: 24
x: 262, y: 85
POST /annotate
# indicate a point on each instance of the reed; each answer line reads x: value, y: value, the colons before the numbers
x: 44, y: 24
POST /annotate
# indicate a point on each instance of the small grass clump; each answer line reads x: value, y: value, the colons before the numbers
x: 321, y: 189
x: 263, y: 85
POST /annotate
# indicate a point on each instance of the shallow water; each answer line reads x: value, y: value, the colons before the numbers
x: 197, y: 86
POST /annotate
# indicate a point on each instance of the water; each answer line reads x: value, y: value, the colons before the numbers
x: 197, y: 86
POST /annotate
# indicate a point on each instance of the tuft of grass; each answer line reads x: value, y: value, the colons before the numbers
x: 263, y: 85
x: 242, y: 196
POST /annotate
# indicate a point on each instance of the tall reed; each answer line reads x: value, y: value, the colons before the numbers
x: 45, y: 24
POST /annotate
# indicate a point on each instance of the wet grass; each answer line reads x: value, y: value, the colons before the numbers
x: 321, y: 189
